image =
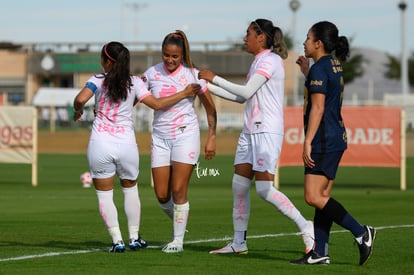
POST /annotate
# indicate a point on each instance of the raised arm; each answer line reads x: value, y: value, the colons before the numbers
x: 244, y: 91
x: 220, y: 92
x: 164, y: 102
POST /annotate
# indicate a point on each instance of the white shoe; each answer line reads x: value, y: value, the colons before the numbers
x: 237, y: 248
x: 173, y: 247
x: 308, y: 237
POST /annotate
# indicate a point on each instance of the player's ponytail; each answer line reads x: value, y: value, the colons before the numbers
x: 274, y: 36
x: 118, y: 79
x: 342, y: 48
x: 279, y: 46
x: 327, y: 32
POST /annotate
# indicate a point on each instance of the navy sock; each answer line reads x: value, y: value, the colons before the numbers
x: 352, y: 225
x: 335, y: 211
x: 322, y: 227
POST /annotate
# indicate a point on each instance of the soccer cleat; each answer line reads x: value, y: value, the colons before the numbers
x: 117, y: 247
x: 237, y: 248
x: 366, y: 245
x: 308, y: 237
x: 312, y: 258
x: 173, y: 247
x: 137, y: 244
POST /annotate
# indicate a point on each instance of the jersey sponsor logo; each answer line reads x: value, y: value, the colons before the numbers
x: 103, y: 127
x: 316, y: 83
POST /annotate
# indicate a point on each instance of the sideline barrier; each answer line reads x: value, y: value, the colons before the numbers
x: 376, y: 138
x: 18, y: 136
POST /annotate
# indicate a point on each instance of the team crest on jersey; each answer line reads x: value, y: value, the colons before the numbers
x: 144, y: 78
x: 183, y: 80
x: 344, y: 137
x: 157, y: 76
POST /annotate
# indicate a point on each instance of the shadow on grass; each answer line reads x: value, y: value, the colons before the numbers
x: 58, y: 244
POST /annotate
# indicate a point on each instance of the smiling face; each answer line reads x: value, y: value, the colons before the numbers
x: 172, y: 56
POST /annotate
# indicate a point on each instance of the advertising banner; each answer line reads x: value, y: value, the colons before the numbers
x: 16, y: 134
x: 374, y: 137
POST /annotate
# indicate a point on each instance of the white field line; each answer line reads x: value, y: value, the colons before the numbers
x: 52, y: 254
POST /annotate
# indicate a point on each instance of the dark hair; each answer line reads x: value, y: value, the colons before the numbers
x: 179, y: 39
x: 118, y: 79
x: 327, y: 32
x: 274, y: 36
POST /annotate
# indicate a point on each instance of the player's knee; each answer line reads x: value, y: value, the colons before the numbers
x: 263, y: 189
x: 312, y: 200
x: 240, y: 185
x: 163, y: 199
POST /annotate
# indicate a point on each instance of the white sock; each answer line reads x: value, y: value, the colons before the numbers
x: 181, y: 212
x: 132, y: 206
x: 115, y: 233
x: 239, y: 236
x: 241, y: 206
x: 168, y: 208
x: 109, y: 214
x: 269, y: 193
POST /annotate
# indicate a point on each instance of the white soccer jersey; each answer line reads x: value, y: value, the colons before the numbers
x: 264, y: 110
x: 179, y: 119
x: 113, y: 120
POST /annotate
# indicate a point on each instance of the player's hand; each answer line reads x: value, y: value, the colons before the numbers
x: 192, y: 89
x: 77, y: 116
x: 303, y: 63
x: 306, y: 156
x: 210, y: 148
x: 206, y: 75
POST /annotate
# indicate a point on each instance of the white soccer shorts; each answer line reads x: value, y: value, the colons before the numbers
x: 261, y: 150
x: 184, y: 149
x: 107, y: 158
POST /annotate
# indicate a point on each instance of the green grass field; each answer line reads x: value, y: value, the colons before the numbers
x: 55, y: 228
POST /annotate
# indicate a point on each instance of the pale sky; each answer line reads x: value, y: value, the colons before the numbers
x: 370, y: 24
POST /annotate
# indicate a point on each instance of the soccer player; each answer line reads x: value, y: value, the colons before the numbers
x: 175, y: 144
x: 325, y: 140
x: 112, y: 147
x: 261, y: 139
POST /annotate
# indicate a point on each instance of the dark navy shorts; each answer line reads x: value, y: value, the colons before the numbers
x: 326, y: 164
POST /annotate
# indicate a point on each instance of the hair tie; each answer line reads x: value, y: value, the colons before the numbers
x: 107, y: 54
x: 176, y: 35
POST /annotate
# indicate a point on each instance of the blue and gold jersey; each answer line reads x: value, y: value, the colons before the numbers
x: 326, y: 77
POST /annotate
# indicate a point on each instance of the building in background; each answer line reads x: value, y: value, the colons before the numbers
x: 26, y: 68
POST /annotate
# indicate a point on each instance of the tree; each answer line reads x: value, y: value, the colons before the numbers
x: 394, y: 68
x: 288, y: 40
x: 353, y: 67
